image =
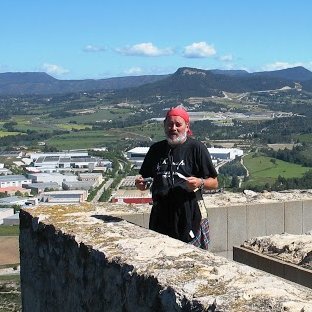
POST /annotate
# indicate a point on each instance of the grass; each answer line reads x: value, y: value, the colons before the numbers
x: 93, y: 138
x: 306, y: 138
x: 263, y: 170
x: 9, y: 230
x: 70, y: 126
x: 6, y: 266
x: 7, y: 133
x: 100, y: 115
x: 83, y: 139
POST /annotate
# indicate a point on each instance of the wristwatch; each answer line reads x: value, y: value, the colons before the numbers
x: 202, y: 184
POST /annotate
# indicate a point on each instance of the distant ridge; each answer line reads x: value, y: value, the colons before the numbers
x: 185, y: 82
x: 230, y: 72
x: 297, y: 74
x: 25, y: 77
x: 31, y: 83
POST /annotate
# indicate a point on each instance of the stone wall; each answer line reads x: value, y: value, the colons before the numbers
x: 80, y: 258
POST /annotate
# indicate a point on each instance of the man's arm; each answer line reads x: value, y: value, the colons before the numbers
x: 194, y: 183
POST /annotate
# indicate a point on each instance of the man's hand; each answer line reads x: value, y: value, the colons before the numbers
x: 140, y: 183
x: 193, y: 183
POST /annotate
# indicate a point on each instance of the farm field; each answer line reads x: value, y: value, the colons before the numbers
x: 263, y: 169
x: 97, y: 138
x: 9, y: 250
x: 6, y: 133
x: 9, y: 245
x: 10, y: 298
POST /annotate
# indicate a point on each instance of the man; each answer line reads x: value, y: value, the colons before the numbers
x: 180, y: 166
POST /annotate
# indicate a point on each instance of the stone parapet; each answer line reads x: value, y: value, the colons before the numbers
x: 80, y: 258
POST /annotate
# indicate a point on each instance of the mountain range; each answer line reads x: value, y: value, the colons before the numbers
x: 185, y: 81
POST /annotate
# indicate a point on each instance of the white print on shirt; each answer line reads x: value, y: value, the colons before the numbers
x: 166, y: 162
x: 175, y: 166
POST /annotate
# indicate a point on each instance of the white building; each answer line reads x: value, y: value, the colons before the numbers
x: 64, y: 197
x: 97, y: 178
x: 137, y: 154
x: 3, y: 170
x: 13, y: 200
x: 13, y: 181
x: 35, y: 156
x: 11, y: 220
x: 225, y: 153
x: 5, y: 212
x: 52, y: 177
x: 73, y: 161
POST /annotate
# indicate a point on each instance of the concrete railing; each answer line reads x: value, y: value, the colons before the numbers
x: 232, y: 225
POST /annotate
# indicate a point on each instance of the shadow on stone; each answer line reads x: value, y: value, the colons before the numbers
x: 107, y: 218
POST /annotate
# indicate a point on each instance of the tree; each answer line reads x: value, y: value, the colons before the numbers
x: 18, y: 193
x: 235, y: 181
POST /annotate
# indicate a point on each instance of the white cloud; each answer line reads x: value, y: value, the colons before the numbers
x: 144, y: 49
x: 4, y: 68
x: 92, y: 48
x: 54, y: 69
x: 281, y: 65
x: 199, y: 50
x: 134, y: 71
x: 226, y: 58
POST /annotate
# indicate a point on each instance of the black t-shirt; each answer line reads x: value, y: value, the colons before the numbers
x: 175, y: 210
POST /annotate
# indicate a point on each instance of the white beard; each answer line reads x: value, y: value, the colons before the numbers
x: 178, y: 140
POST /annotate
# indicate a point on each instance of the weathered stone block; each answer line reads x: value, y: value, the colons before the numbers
x: 77, y: 259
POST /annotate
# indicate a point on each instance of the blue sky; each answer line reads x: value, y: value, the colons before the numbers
x: 80, y: 39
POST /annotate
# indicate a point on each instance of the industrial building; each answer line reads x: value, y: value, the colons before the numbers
x: 64, y: 197
x: 71, y: 161
x: 13, y: 181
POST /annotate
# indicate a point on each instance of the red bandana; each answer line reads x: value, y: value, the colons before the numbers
x: 181, y: 112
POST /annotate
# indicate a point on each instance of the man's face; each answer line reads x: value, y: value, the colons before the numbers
x: 176, y: 129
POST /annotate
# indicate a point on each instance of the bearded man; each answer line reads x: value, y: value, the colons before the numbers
x: 181, y: 168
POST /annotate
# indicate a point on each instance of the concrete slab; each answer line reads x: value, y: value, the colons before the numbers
x: 218, y: 228
x: 307, y: 216
x: 255, y: 220
x: 293, y: 217
x: 237, y: 224
x: 274, y: 218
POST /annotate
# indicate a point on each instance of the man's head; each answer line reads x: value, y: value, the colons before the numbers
x: 177, y: 125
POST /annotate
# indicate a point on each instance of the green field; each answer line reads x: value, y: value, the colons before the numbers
x: 6, y: 133
x: 89, y: 139
x: 9, y: 230
x: 100, y: 115
x: 71, y: 126
x: 306, y: 138
x: 98, y: 138
x: 263, y: 170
